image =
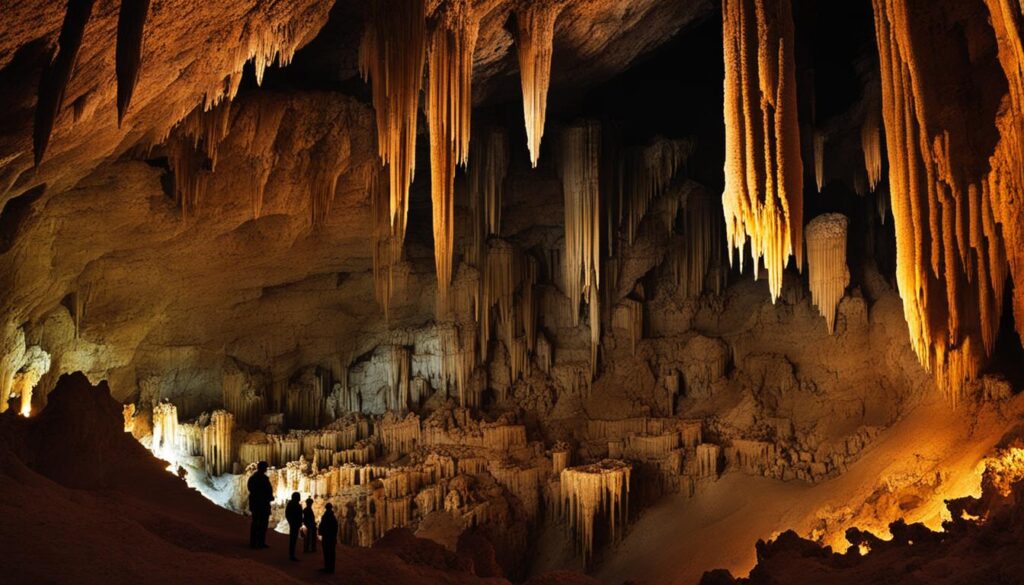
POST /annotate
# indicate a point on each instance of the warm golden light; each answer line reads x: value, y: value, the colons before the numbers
x: 763, y: 197
x: 535, y: 32
x: 950, y: 258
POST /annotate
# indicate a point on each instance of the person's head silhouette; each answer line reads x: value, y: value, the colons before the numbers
x: 262, y: 466
x: 329, y: 509
x: 296, y: 497
x: 309, y: 502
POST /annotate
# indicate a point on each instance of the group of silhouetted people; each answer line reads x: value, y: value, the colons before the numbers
x: 261, y: 494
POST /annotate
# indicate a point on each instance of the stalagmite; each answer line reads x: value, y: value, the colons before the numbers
x: 54, y: 80
x: 130, y: 24
x: 950, y: 257
x: 449, y: 105
x: 589, y: 490
x: 165, y: 430
x: 535, y: 33
x: 819, y: 159
x: 399, y: 435
x: 826, y: 263
x: 629, y: 317
x: 391, y: 57
x: 218, y: 449
x: 871, y: 145
x: 189, y: 441
x: 255, y: 448
x: 763, y: 197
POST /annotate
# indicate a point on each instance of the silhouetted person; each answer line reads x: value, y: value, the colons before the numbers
x: 309, y: 521
x: 329, y: 533
x: 293, y: 514
x: 261, y: 494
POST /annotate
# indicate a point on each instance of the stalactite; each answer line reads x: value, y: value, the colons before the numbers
x: 651, y: 446
x: 692, y: 433
x: 951, y: 284
x: 387, y: 248
x: 753, y: 457
x: 826, y: 263
x: 192, y: 153
x: 645, y: 175
x: 594, y: 306
x: 396, y: 360
x: 489, y: 178
x: 871, y: 145
x: 561, y: 457
x: 535, y: 33
x: 699, y: 255
x: 218, y: 449
x: 578, y: 167
x: 458, y: 360
x: 54, y: 80
x: 128, y: 56
x: 599, y: 488
x: 527, y: 301
x: 763, y: 197
x: 545, y: 353
x: 449, y: 105
x: 629, y: 317
x: 391, y: 57
x: 1006, y: 179
x: 819, y: 159
x: 499, y: 285
x: 708, y: 455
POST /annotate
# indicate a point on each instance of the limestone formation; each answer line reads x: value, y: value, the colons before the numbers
x: 826, y: 263
x: 763, y: 196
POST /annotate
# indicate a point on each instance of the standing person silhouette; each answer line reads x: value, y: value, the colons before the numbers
x: 261, y: 494
x: 293, y: 514
x: 309, y: 521
x: 329, y: 533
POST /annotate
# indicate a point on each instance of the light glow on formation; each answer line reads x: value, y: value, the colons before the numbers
x: 535, y: 33
x: 951, y: 262
x: 763, y: 197
x: 449, y: 105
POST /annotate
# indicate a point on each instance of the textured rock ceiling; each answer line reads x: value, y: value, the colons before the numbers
x: 99, y: 228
